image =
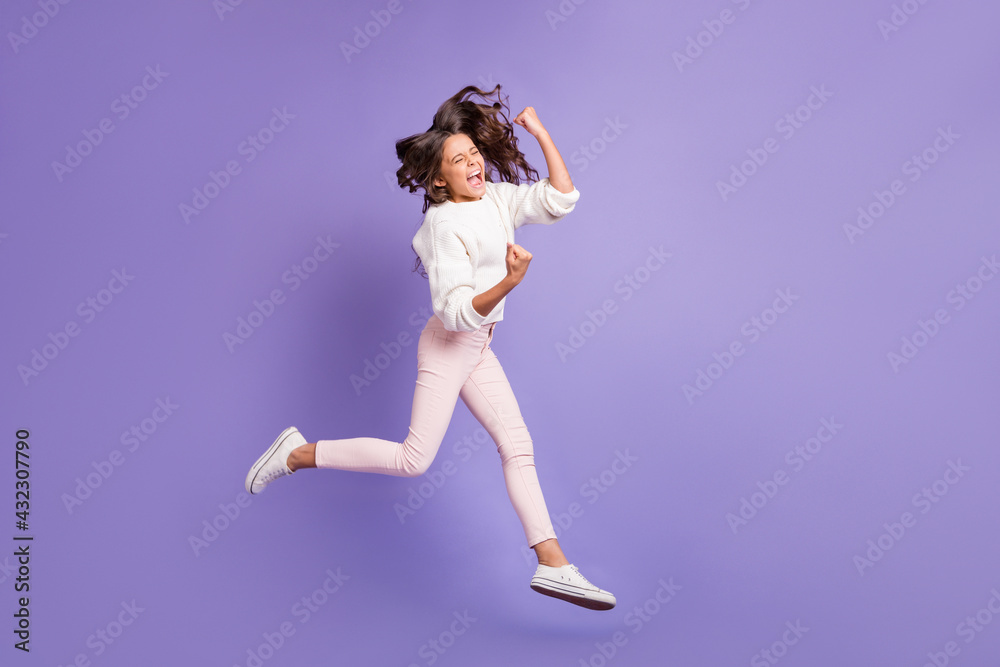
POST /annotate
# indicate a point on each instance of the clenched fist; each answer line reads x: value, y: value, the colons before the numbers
x: 517, y: 262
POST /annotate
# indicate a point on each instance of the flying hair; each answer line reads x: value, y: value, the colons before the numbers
x: 489, y: 128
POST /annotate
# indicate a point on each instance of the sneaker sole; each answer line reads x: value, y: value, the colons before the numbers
x: 252, y: 475
x: 568, y: 596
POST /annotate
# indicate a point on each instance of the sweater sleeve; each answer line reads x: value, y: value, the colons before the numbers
x: 451, y: 271
x: 537, y: 202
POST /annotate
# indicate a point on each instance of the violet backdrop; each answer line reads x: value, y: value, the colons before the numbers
x: 758, y: 360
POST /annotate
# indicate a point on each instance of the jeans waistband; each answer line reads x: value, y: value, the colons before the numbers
x: 483, y: 333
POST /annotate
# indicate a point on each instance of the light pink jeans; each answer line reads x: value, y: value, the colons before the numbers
x: 452, y: 364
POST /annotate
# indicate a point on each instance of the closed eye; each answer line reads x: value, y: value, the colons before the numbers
x: 458, y: 159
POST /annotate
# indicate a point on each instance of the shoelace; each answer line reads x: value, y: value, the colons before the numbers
x: 273, y: 475
x: 573, y: 567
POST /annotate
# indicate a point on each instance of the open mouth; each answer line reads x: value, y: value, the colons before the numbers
x: 475, y: 179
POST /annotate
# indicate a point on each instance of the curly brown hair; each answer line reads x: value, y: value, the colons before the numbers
x: 488, y: 127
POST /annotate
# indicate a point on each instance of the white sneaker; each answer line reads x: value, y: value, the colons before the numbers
x: 274, y: 463
x: 566, y: 583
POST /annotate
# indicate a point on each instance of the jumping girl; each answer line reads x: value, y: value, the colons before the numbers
x: 467, y: 250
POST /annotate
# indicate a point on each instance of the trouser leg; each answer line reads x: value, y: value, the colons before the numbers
x: 489, y: 397
x: 441, y: 371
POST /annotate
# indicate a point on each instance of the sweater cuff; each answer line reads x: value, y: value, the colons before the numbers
x: 468, y: 317
x: 558, y: 203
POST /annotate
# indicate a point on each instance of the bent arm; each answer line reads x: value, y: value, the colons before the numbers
x: 485, y: 303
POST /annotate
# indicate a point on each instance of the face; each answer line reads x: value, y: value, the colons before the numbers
x: 460, y: 160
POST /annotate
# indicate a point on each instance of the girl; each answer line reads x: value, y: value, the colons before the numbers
x: 466, y: 246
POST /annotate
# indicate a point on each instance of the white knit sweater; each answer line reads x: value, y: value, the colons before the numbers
x: 463, y: 245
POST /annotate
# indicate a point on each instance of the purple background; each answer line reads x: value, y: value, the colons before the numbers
x: 646, y: 142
